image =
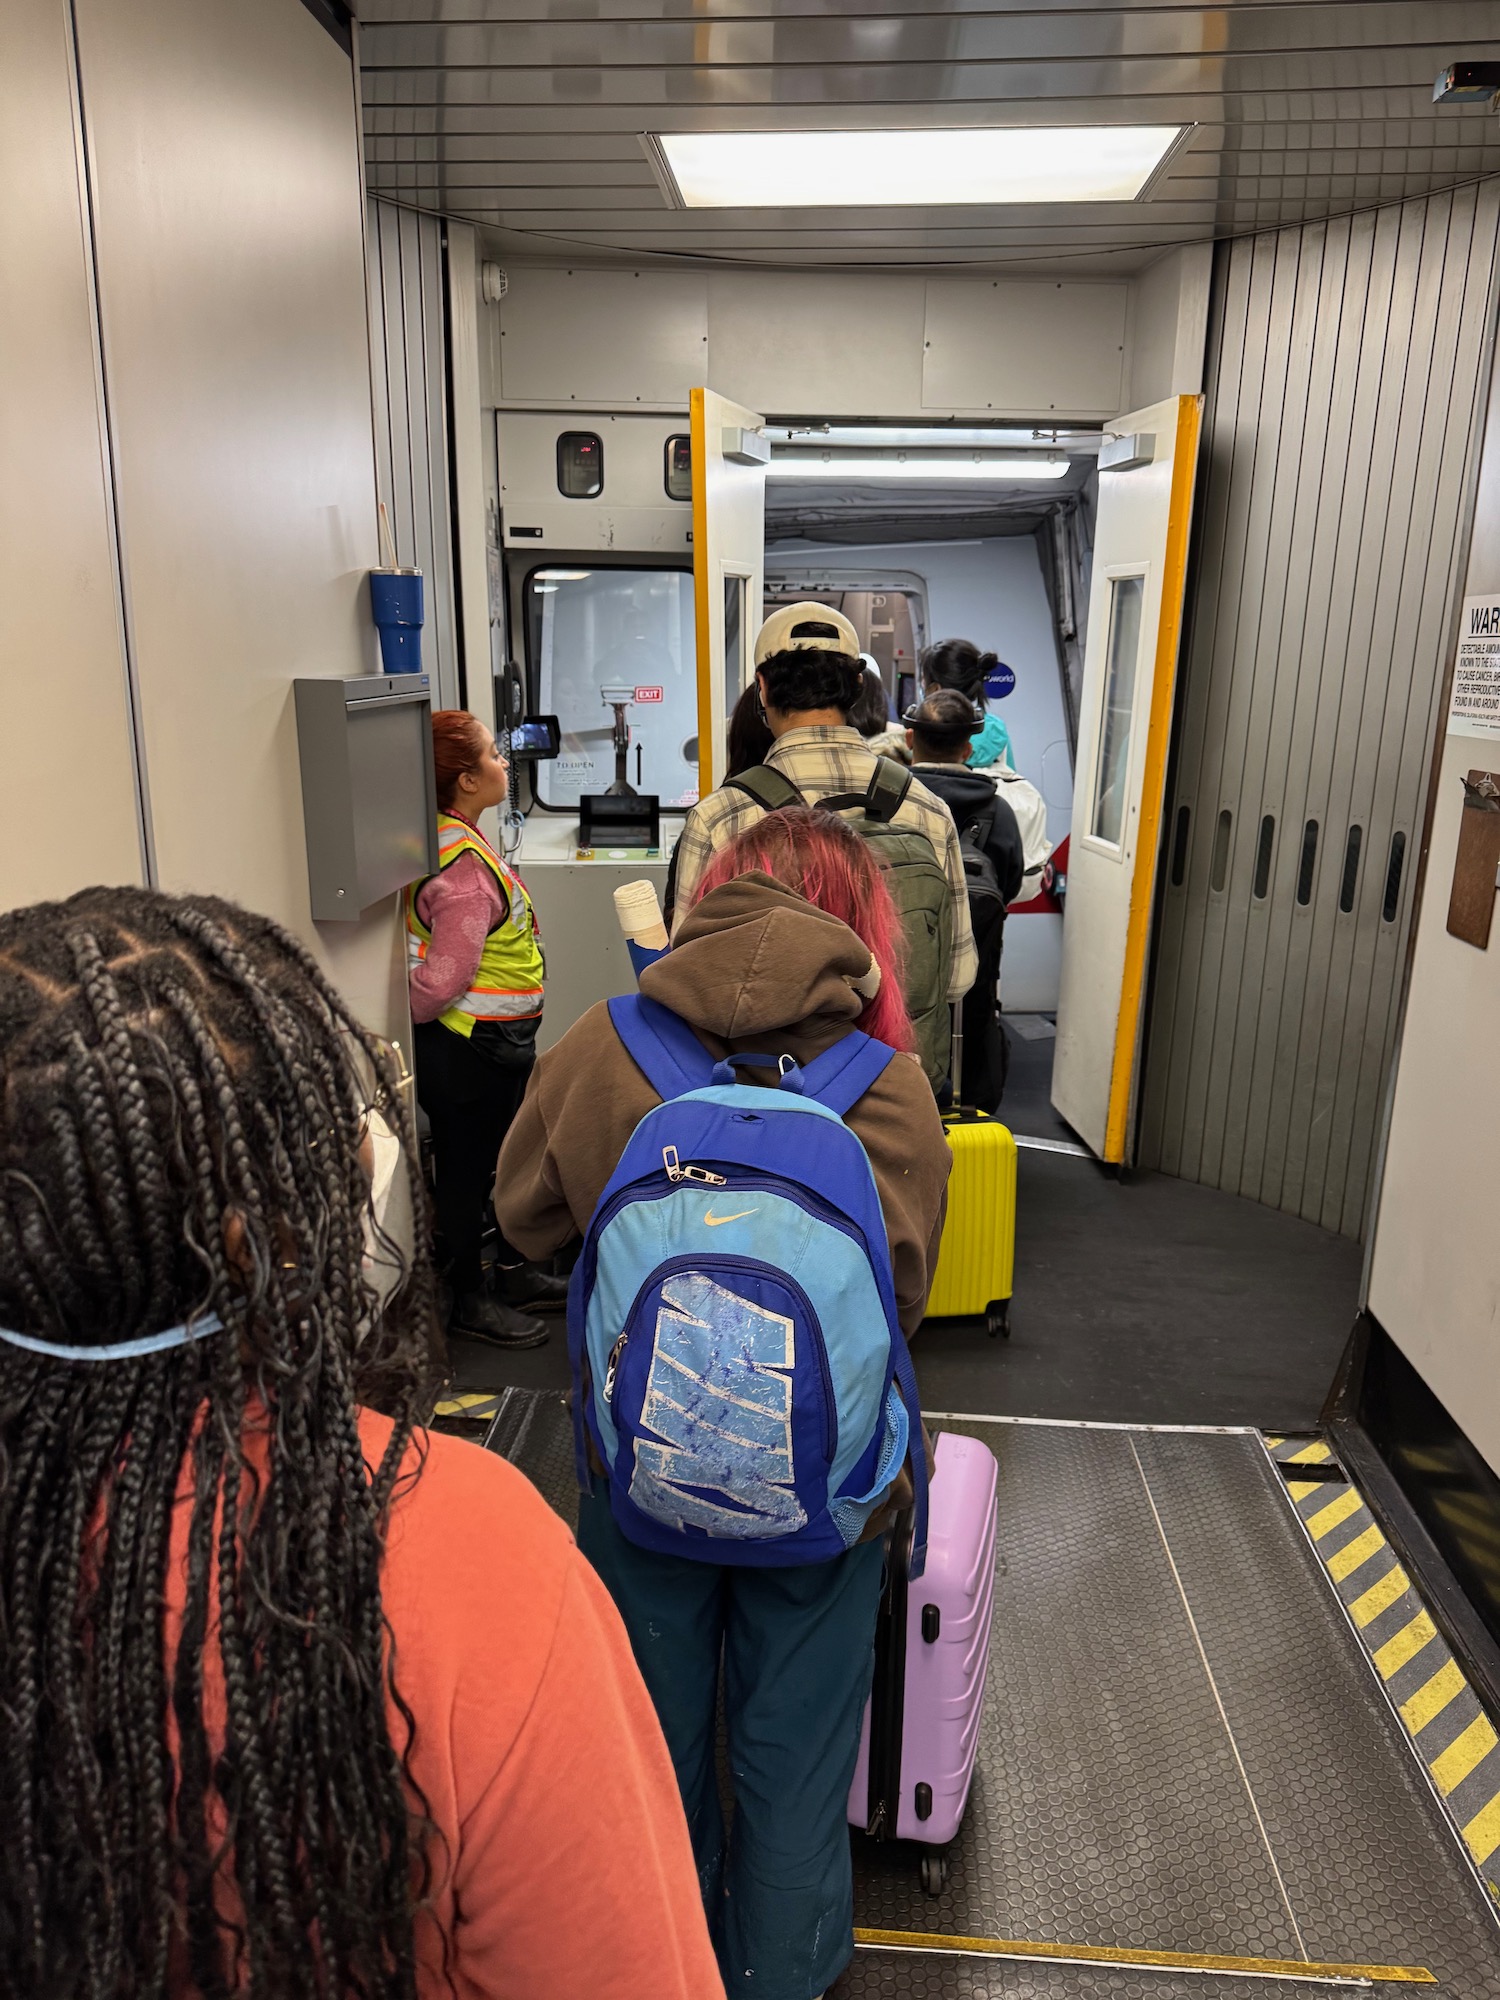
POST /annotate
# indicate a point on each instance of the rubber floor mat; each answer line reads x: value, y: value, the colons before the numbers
x: 1184, y: 1748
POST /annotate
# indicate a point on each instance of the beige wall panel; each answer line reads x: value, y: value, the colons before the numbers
x: 1025, y: 350
x: 825, y: 346
x: 465, y: 309
x: 1434, y: 1264
x: 232, y: 284
x: 842, y: 344
x: 602, y: 336
x: 62, y: 665
x: 1168, y: 325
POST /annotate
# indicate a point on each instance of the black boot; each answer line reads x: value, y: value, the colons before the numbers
x: 482, y: 1317
x: 530, y: 1288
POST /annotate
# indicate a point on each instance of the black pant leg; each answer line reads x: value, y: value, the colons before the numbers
x: 516, y: 1076
x: 470, y: 1102
x: 985, y: 1051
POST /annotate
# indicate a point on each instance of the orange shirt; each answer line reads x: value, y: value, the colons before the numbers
x: 563, y: 1871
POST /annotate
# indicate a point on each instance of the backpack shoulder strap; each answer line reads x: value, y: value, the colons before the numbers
x: 881, y: 799
x: 888, y: 788
x: 661, y: 1045
x: 977, y: 831
x: 840, y: 1076
x: 768, y: 787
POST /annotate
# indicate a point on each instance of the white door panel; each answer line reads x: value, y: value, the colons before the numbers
x: 1130, y: 664
x: 729, y: 547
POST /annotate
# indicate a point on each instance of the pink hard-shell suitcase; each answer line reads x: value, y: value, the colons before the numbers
x: 932, y: 1647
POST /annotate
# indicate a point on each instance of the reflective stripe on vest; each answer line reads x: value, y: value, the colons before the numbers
x: 507, y: 984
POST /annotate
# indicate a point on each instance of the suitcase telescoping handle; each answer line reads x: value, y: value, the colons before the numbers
x: 956, y: 1058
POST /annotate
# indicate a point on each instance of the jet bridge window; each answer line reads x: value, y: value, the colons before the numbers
x: 677, y: 467
x: 588, y: 629
x: 1126, y: 594
x: 580, y: 465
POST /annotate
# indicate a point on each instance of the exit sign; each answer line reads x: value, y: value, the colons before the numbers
x: 648, y: 694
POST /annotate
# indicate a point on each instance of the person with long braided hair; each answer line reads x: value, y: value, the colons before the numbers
x: 295, y: 1701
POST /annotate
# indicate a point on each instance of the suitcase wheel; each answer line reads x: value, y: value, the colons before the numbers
x: 997, y: 1318
x: 934, y: 1874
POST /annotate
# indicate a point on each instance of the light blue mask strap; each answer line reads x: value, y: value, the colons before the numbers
x: 122, y: 1350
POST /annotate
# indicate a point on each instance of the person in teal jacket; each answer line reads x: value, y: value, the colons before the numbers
x: 958, y: 663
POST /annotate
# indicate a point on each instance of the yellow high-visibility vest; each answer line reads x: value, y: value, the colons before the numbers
x: 507, y: 985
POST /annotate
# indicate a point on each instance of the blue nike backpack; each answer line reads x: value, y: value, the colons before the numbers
x: 732, y: 1329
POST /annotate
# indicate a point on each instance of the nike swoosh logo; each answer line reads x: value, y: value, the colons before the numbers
x: 713, y: 1220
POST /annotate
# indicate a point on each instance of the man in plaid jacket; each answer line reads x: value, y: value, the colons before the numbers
x: 809, y: 673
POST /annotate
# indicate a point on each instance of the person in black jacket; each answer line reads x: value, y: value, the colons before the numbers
x: 940, y: 733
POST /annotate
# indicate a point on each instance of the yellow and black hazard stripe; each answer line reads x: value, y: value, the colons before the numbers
x: 470, y: 1406
x: 1455, y: 1738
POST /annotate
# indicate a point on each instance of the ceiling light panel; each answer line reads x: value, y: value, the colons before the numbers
x: 855, y: 468
x: 936, y: 437
x: 990, y: 165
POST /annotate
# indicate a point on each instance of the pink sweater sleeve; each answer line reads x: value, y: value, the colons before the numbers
x: 461, y: 906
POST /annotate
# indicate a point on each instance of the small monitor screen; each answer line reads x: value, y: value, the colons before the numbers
x: 619, y: 820
x: 537, y: 736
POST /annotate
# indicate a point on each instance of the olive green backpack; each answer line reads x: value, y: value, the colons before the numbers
x: 919, y: 888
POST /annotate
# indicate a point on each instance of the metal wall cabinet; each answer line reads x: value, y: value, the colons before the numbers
x: 1344, y: 378
x: 408, y: 359
x: 369, y: 798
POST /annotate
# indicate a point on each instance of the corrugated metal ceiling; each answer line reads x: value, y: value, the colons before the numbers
x: 524, y: 116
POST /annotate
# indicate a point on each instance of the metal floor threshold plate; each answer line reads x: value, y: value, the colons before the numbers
x: 1184, y: 1749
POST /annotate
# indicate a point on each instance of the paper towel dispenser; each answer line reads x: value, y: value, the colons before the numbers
x: 369, y: 798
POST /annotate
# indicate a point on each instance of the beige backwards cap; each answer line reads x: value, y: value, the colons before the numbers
x: 784, y: 631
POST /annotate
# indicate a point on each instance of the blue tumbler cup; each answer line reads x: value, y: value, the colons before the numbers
x: 396, y: 602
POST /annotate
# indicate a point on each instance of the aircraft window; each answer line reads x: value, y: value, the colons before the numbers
x: 735, y: 666
x: 1309, y: 860
x: 1263, y: 857
x: 580, y: 465
x: 1393, y: 878
x: 1219, y: 873
x: 1180, y: 845
x: 1126, y: 594
x: 588, y: 629
x: 677, y: 474
x: 1351, y: 870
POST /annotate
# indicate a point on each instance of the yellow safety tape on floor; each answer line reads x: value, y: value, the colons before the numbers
x: 1155, y: 1961
x: 1459, y: 1746
x: 470, y: 1403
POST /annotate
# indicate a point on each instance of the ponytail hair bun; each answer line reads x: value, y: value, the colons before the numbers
x: 958, y: 664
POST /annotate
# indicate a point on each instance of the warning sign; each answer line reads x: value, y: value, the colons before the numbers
x: 648, y: 694
x: 1475, y: 707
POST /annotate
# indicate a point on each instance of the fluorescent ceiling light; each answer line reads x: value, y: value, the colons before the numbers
x: 857, y: 468
x: 990, y: 164
x: 935, y: 437
x: 564, y: 575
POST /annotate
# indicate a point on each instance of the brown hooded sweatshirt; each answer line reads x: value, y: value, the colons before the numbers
x: 756, y: 967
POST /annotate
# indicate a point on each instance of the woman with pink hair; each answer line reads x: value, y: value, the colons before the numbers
x: 792, y: 941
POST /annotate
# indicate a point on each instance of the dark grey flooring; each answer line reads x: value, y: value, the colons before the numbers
x: 1148, y: 1300
x: 1183, y: 1745
x: 1027, y: 1105
x: 1183, y: 1748
x: 1152, y: 1301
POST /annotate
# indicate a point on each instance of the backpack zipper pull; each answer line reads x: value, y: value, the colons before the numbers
x: 613, y: 1368
x: 677, y: 1172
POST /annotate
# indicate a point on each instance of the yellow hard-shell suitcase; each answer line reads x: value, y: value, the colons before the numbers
x: 977, y: 1256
